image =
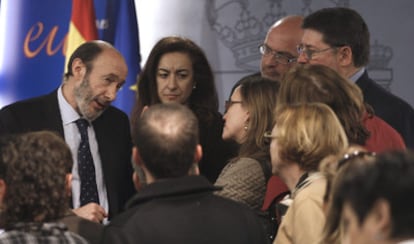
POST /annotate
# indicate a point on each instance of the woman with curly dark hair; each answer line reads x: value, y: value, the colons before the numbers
x: 33, y: 170
x: 177, y: 71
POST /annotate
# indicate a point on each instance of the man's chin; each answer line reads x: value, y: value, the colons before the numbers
x: 92, y: 115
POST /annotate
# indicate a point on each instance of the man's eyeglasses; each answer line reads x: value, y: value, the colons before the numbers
x: 356, y: 154
x: 310, y: 52
x: 228, y: 103
x: 279, y: 57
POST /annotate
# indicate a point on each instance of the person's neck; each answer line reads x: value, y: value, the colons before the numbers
x: 349, y: 71
x: 291, y: 174
x: 150, y: 178
x: 67, y: 92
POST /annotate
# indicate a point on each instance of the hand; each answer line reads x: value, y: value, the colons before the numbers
x: 92, y: 212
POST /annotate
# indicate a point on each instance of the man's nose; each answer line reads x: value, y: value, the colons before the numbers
x: 302, y: 59
x: 111, y: 92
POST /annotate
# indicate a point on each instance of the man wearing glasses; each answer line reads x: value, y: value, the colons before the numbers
x: 279, y: 47
x: 278, y: 50
x: 339, y: 39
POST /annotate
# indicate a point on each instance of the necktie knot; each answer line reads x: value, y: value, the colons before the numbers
x: 82, y: 127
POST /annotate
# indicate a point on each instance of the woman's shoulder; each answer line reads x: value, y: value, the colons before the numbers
x: 250, y: 165
x: 314, y: 189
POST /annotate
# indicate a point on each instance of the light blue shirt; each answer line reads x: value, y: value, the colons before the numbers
x: 72, y: 138
x: 357, y: 75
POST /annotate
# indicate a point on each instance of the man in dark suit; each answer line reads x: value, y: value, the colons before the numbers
x: 339, y: 38
x: 96, y: 71
x: 177, y: 205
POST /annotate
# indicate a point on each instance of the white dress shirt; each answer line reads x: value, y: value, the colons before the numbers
x: 72, y: 138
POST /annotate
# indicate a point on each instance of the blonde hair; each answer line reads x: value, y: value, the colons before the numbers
x: 307, y: 133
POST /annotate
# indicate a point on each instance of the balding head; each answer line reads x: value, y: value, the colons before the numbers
x: 291, y: 24
x: 167, y: 138
x: 282, y: 37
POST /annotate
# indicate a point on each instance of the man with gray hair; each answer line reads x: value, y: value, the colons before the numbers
x: 176, y: 205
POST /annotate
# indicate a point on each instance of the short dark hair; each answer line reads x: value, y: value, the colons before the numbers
x: 166, y: 137
x: 342, y: 27
x: 203, y: 100
x: 34, y: 166
x: 389, y: 177
x: 87, y: 52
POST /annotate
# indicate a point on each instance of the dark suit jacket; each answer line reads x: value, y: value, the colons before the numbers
x: 184, y: 210
x: 112, y: 134
x: 395, y: 111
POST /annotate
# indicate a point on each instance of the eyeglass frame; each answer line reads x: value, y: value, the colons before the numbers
x: 277, y: 55
x: 229, y: 103
x: 310, y: 52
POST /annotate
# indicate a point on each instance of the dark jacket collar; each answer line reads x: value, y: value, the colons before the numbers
x: 172, y: 187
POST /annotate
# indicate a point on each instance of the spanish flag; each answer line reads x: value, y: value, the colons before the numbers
x: 82, y: 26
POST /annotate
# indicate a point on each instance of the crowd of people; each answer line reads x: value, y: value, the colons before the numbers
x: 309, y: 149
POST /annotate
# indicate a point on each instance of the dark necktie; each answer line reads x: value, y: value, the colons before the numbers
x: 86, y: 168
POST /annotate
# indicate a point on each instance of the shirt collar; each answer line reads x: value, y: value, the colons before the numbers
x: 68, y: 113
x: 357, y: 75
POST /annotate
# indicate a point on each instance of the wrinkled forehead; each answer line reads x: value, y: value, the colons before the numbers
x: 110, y: 61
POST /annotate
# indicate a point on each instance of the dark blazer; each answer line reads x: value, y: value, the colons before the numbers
x: 184, y: 210
x: 112, y: 133
x: 395, y: 111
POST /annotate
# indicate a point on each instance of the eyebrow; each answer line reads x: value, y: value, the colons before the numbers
x: 308, y: 45
x: 116, y: 77
x: 178, y: 70
x: 280, y: 52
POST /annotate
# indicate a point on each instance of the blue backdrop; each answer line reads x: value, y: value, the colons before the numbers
x: 33, y: 40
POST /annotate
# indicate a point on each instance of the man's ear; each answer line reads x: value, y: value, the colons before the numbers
x: 198, y: 154
x: 382, y: 217
x: 141, y: 176
x: 136, y: 157
x: 345, y: 56
x: 78, y: 69
x: 3, y: 188
x: 68, y: 184
x: 136, y: 181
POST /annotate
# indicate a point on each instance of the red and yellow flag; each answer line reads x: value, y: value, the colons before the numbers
x: 82, y: 26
